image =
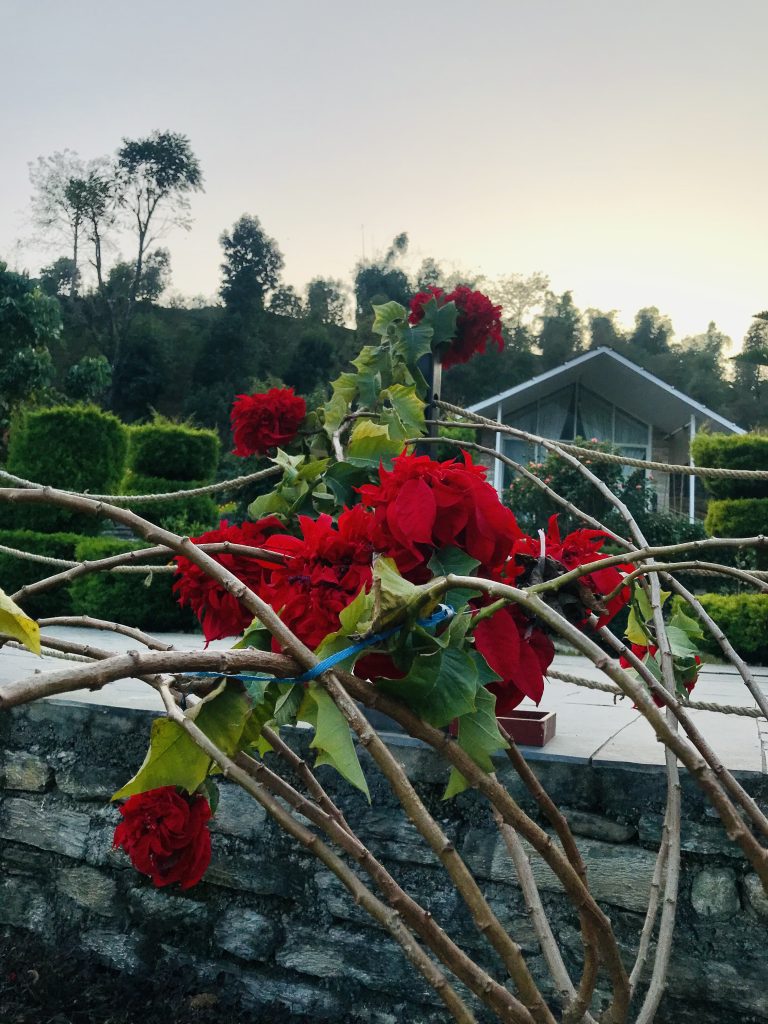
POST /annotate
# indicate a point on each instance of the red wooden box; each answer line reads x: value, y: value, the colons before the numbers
x: 530, y: 728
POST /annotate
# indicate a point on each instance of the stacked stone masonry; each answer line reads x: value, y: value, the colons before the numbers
x: 279, y: 935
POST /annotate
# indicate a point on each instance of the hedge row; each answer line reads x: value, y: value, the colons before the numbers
x: 75, y: 447
x: 135, y: 599
x: 16, y: 573
x: 185, y: 515
x: 732, y: 451
x: 744, y: 620
x: 170, y: 450
x: 739, y: 517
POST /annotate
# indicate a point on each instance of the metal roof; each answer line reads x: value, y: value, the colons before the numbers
x: 619, y: 380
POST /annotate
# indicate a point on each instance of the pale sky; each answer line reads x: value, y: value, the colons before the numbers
x: 619, y: 146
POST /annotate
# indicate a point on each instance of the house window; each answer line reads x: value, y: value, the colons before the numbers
x: 570, y: 413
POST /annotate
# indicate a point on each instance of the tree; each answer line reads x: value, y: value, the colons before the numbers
x: 380, y: 280
x: 326, y: 300
x: 653, y: 331
x: 603, y: 329
x: 751, y: 372
x: 522, y: 298
x: 59, y: 278
x: 286, y: 301
x: 59, y: 205
x: 89, y: 379
x: 560, y: 337
x: 155, y: 278
x: 29, y: 323
x: 429, y: 275
x: 155, y: 176
x: 251, y: 267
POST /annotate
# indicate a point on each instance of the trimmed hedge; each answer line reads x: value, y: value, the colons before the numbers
x: 739, y: 517
x: 742, y: 617
x: 17, y: 572
x: 126, y: 596
x: 164, y: 449
x: 732, y: 451
x: 184, y: 513
x: 75, y: 447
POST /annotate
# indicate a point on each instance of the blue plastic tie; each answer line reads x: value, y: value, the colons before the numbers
x: 441, y: 614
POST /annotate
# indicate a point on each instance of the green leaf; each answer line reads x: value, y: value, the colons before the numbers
x: 333, y: 739
x: 479, y: 737
x: 405, y: 417
x: 635, y: 632
x: 692, y: 627
x: 14, y: 622
x: 268, y: 504
x: 210, y: 791
x: 371, y: 444
x: 442, y: 320
x: 680, y: 642
x: 387, y: 315
x: 413, y: 343
x: 256, y: 636
x: 439, y: 687
x: 174, y: 759
x: 353, y: 619
x: 396, y: 599
x: 342, y: 479
x: 288, y: 703
x: 450, y: 560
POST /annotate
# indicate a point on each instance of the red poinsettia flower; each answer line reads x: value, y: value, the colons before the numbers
x: 326, y: 568
x: 477, y: 321
x: 580, y: 548
x: 266, y: 420
x: 517, y: 651
x: 220, y: 613
x: 421, y: 506
x: 165, y: 833
x: 640, y: 651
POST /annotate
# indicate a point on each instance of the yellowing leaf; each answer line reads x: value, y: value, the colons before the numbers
x: 13, y: 622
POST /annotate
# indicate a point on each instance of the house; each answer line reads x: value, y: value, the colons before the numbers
x: 603, y: 395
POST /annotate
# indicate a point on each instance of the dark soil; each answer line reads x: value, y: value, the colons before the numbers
x: 40, y: 986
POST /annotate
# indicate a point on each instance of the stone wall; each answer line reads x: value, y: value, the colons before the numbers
x: 275, y: 932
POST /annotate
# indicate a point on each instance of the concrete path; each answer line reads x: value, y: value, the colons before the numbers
x: 591, y: 726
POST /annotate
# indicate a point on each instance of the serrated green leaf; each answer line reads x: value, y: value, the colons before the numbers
x: 353, y: 619
x: 442, y: 320
x: 371, y: 444
x: 439, y: 687
x: 269, y: 504
x: 342, y: 479
x: 16, y: 623
x: 405, y: 417
x: 288, y: 703
x: 411, y: 345
x: 334, y: 411
x: 478, y: 736
x: 690, y: 626
x: 174, y: 759
x: 451, y: 560
x: 333, y: 739
x: 388, y: 314
x: 679, y: 642
x: 396, y: 599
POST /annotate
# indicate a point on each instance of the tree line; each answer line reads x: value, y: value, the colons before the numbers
x: 96, y: 325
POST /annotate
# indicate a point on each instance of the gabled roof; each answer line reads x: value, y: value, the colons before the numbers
x: 618, y: 379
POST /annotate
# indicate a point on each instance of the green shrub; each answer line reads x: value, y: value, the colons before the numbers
x: 126, y: 597
x: 165, y: 449
x: 186, y: 515
x: 739, y: 517
x: 742, y: 617
x: 732, y: 451
x: 18, y: 572
x: 75, y: 447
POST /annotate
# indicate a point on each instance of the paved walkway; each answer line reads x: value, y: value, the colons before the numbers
x: 591, y: 726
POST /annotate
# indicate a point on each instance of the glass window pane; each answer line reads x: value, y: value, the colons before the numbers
x: 554, y: 416
x: 629, y: 430
x: 596, y: 417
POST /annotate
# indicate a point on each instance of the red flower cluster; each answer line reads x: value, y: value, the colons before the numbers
x: 267, y: 420
x: 421, y: 506
x: 580, y: 548
x: 517, y: 651
x: 326, y: 569
x: 477, y: 322
x: 219, y: 612
x: 165, y: 833
x: 640, y: 651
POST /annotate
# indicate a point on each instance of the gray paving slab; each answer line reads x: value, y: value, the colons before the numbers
x: 592, y: 726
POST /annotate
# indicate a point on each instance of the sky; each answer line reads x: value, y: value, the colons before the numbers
x: 618, y: 146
